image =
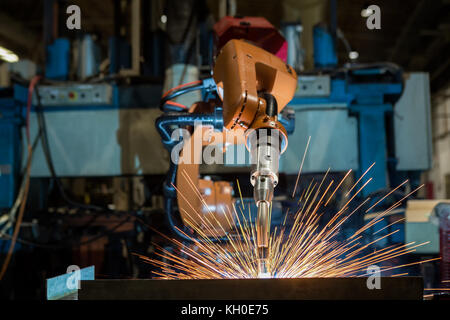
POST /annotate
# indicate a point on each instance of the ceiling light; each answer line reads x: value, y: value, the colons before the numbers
x: 353, y: 55
x: 366, y: 12
x: 8, y: 55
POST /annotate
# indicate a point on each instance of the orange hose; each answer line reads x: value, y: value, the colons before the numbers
x: 181, y: 86
x: 176, y: 104
x: 33, y: 83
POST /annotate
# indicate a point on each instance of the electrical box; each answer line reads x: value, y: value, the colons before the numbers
x: 96, y: 139
x: 334, y: 140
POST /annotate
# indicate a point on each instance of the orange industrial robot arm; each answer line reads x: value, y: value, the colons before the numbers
x: 254, y: 86
x: 242, y: 72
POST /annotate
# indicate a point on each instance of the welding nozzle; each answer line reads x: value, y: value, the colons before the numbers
x: 263, y: 221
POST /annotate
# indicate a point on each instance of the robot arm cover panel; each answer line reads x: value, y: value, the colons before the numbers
x: 243, y: 70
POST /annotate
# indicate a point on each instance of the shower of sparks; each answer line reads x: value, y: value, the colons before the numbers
x: 305, y: 249
x: 301, y: 166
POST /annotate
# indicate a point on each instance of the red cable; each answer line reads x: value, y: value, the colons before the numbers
x: 33, y: 83
x: 181, y: 86
x: 176, y: 104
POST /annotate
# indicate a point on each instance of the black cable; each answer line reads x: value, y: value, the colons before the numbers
x: 188, y: 44
x: 55, y: 178
x: 93, y: 239
x: 76, y: 243
x: 106, y: 233
x: 271, y: 104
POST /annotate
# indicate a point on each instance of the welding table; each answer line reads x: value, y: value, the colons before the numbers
x: 401, y: 288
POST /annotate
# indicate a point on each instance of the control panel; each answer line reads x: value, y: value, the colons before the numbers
x: 313, y: 86
x: 76, y: 95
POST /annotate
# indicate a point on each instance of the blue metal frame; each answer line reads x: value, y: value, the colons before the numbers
x: 10, y: 149
x: 366, y: 102
x: 372, y: 145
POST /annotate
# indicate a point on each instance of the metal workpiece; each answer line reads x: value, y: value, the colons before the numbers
x: 392, y: 288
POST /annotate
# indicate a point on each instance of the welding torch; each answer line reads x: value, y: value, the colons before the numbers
x: 255, y: 86
x: 265, y: 144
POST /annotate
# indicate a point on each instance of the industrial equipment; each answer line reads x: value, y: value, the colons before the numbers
x: 252, y: 101
x: 349, y: 106
x: 237, y: 95
x: 254, y: 86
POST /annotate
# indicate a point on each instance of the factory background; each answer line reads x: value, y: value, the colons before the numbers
x: 98, y: 191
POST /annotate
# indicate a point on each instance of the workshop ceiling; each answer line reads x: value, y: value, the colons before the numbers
x: 414, y: 33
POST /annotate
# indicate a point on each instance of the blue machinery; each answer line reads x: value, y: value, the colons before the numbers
x: 361, y: 97
x: 366, y: 102
x: 355, y: 118
x: 10, y: 122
